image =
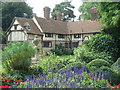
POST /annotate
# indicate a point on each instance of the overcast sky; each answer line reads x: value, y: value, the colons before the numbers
x: 38, y: 5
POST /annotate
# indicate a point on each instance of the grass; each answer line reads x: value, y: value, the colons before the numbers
x: 62, y: 57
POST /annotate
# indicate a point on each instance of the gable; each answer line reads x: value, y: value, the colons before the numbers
x: 16, y: 24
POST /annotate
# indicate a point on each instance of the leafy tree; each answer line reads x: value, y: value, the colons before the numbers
x: 84, y: 9
x: 14, y: 9
x: 110, y: 13
x: 65, y: 8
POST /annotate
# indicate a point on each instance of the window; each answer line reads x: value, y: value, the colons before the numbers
x: 60, y: 35
x: 75, y: 44
x: 47, y: 44
x: 77, y: 36
x: 15, y: 26
x: 48, y: 35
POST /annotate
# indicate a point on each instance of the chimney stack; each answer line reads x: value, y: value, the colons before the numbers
x: 94, y: 14
x: 58, y: 16
x: 46, y: 12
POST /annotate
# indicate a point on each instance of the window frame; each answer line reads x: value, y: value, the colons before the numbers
x: 61, y: 36
x: 79, y: 36
x: 48, y: 34
x: 49, y: 42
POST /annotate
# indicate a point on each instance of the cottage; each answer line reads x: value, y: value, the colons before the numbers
x: 51, y: 32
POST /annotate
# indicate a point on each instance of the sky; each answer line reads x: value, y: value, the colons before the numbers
x: 38, y: 6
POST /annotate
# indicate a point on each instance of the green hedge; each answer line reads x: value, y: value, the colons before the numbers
x: 72, y: 65
x: 97, y: 63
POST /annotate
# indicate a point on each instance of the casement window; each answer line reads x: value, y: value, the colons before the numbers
x: 48, y: 35
x: 47, y: 44
x: 77, y: 36
x: 61, y: 36
x: 15, y: 26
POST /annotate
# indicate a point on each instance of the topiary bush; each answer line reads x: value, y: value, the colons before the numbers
x: 17, y: 56
x: 83, y: 54
x: 71, y: 66
x: 96, y: 64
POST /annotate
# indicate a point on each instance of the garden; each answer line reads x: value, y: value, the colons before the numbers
x: 84, y: 68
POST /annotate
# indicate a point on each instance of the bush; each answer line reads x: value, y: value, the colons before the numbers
x: 116, y: 65
x: 96, y: 64
x: 83, y: 54
x: 17, y: 56
x: 111, y: 75
x: 71, y: 66
x: 60, y: 50
x: 104, y: 43
x: 35, y: 70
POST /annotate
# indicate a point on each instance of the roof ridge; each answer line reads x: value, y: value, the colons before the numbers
x: 23, y: 18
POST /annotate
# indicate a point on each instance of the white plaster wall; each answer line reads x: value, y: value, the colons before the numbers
x: 18, y: 27
x: 17, y: 36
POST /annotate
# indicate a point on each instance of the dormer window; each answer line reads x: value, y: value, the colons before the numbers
x: 15, y: 26
x: 27, y: 26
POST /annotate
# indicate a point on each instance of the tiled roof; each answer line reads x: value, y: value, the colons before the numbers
x: 33, y: 28
x: 52, y: 26
x: 86, y: 26
x: 59, y: 27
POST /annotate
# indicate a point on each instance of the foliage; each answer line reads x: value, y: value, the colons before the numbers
x: 71, y: 66
x: 111, y: 75
x: 68, y: 79
x: 35, y: 70
x: 84, y: 55
x: 116, y: 65
x: 17, y: 56
x: 104, y: 43
x: 110, y: 13
x: 96, y: 64
x: 84, y: 9
x: 60, y: 50
x: 49, y: 63
x: 65, y: 8
x: 14, y: 9
x: 53, y: 63
x: 114, y: 32
x: 2, y: 36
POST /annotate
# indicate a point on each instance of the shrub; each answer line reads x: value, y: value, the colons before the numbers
x: 111, y: 75
x: 83, y: 54
x: 116, y: 65
x: 17, y: 56
x: 35, y: 70
x: 60, y: 50
x: 96, y: 64
x: 104, y: 43
x: 71, y: 66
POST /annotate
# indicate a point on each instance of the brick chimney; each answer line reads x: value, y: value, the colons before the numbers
x: 94, y: 14
x: 58, y: 16
x: 46, y: 12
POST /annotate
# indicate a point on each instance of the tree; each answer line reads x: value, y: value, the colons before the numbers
x: 14, y: 9
x: 65, y: 8
x: 84, y: 9
x: 110, y: 13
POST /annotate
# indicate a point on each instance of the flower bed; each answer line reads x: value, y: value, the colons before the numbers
x: 77, y: 78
